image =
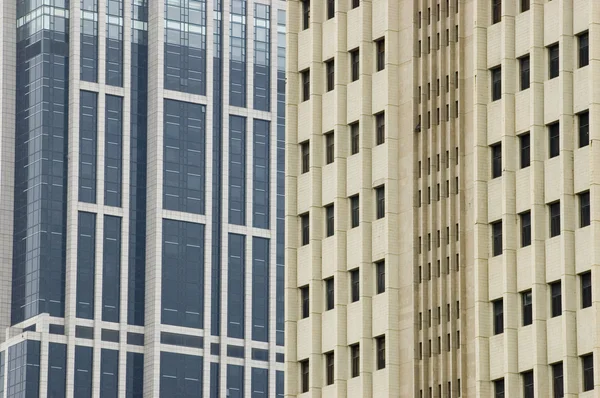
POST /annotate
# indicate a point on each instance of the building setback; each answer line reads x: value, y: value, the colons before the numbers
x: 142, y: 178
x: 439, y: 175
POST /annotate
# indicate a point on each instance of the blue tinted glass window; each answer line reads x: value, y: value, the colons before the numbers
x: 261, y: 174
x: 185, y: 46
x: 279, y: 384
x: 237, y: 170
x: 214, y: 380
x: 180, y: 375
x: 57, y: 370
x: 262, y: 61
x: 109, y: 373
x: 83, y: 371
x: 113, y: 150
x: 260, y: 289
x: 23, y: 365
x: 114, y: 42
x: 235, y: 381
x: 182, y: 274
x: 184, y: 157
x: 235, y: 286
x: 2, y: 374
x: 237, y: 53
x: 260, y: 383
x: 88, y: 142
x: 86, y: 258
x: 111, y: 269
x: 89, y: 40
x: 134, y: 380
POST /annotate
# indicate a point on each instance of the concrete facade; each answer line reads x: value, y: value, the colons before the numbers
x: 470, y: 306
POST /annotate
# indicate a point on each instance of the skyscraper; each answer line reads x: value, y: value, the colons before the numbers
x: 440, y: 176
x: 142, y: 172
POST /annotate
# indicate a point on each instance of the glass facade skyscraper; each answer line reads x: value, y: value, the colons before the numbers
x: 141, y: 184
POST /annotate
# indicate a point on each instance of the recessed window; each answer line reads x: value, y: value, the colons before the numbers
x: 586, y: 289
x: 496, y: 160
x: 497, y: 238
x: 305, y: 14
x: 354, y: 138
x: 555, y: 299
x: 380, y: 345
x: 354, y: 211
x: 583, y: 47
x: 305, y: 300
x: 354, y: 65
x: 527, y: 378
x: 330, y: 9
x: 524, y: 5
x: 380, y: 46
x: 355, y: 3
x: 496, y: 11
x: 304, y: 375
x: 498, y: 388
x: 329, y: 148
x: 380, y: 202
x: 330, y: 70
x: 557, y: 380
x: 527, y: 308
x: 498, y: 316
x: 496, y: 83
x: 329, y: 294
x: 354, y: 285
x: 524, y: 72
x: 305, y: 225
x: 554, y: 139
x: 524, y: 149
x: 354, y: 360
x: 329, y: 220
x: 380, y: 128
x: 329, y: 366
x: 554, y: 209
x: 305, y: 149
x: 525, y: 219
x: 380, y: 276
x: 553, y: 67
x: 584, y: 209
x: 583, y: 120
x: 305, y: 85
x: 587, y: 362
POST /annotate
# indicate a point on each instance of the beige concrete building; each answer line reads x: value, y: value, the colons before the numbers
x: 439, y: 175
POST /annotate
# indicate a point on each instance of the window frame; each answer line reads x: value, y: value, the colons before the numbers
x: 305, y: 229
x: 330, y: 9
x: 380, y: 277
x: 329, y: 368
x: 496, y: 154
x: 528, y: 384
x: 553, y: 61
x: 354, y: 138
x: 583, y: 128
x: 553, y: 140
x: 498, y: 311
x: 496, y: 11
x: 380, y: 356
x: 554, y: 220
x: 527, y: 307
x: 305, y: 14
x: 496, y: 82
x: 354, y: 65
x: 354, y: 211
x: 330, y: 75
x: 499, y: 388
x: 525, y: 5
x: 380, y: 54
x: 329, y: 147
x: 329, y: 293
x: 380, y: 202
x: 354, y: 360
x: 587, y: 371
x: 355, y: 4
x: 496, y: 238
x: 555, y: 299
x: 525, y: 161
x: 304, y: 375
x: 305, y: 78
x: 525, y: 226
x: 354, y: 285
x: 584, y: 209
x: 585, y: 284
x: 557, y: 380
x: 329, y: 220
x: 583, y: 52
x: 305, y: 157
x: 380, y: 128
x: 304, y: 302
x: 524, y: 72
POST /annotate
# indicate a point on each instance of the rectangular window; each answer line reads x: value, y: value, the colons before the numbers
x: 329, y: 220
x: 380, y: 201
x: 354, y: 138
x: 305, y: 84
x: 583, y: 46
x: 305, y: 148
x: 524, y: 149
x: 305, y: 226
x: 554, y: 219
x: 330, y: 9
x: 525, y: 228
x: 527, y: 378
x: 235, y: 286
x: 354, y: 285
x: 553, y: 139
x: 354, y: 211
x: 496, y: 11
x: 113, y: 150
x: 305, y: 14
x: 88, y: 141
x: 496, y: 160
x: 355, y: 360
x: 497, y: 238
x: 499, y: 388
x: 583, y: 120
x: 111, y: 269
x: 557, y: 380
x: 237, y: 170
x: 380, y: 44
x: 556, y: 299
x: 587, y: 362
x: 524, y: 72
x: 498, y: 316
x: 354, y: 65
x: 329, y: 294
x: 109, y: 372
x: 304, y: 375
x: 329, y: 148
x: 524, y: 5
x: 330, y: 69
x: 553, y: 66
x: 261, y: 173
x: 355, y: 3
x: 586, y: 289
x: 584, y: 209
x: 380, y: 343
x: 380, y: 128
x: 496, y: 83
x: 527, y: 308
x: 380, y: 281
x: 305, y: 302
x: 329, y: 368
